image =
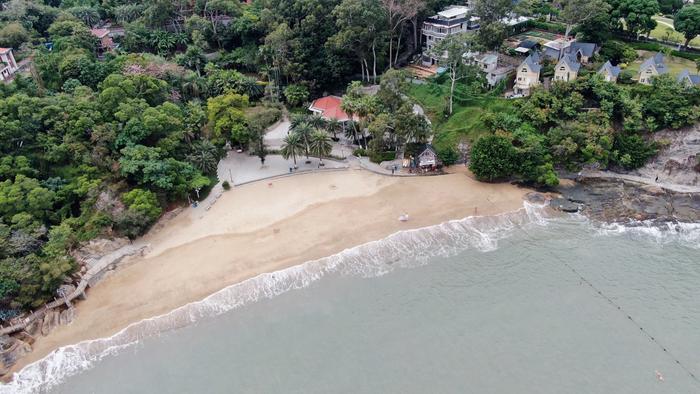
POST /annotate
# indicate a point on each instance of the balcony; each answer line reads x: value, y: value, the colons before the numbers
x: 445, y: 22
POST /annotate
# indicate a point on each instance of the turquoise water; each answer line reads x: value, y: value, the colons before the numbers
x: 516, y: 303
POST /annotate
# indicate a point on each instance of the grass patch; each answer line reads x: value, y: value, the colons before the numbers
x: 465, y: 123
x: 675, y: 64
x: 668, y: 33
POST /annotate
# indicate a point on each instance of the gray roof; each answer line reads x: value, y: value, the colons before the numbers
x: 612, y: 70
x: 529, y: 44
x: 685, y: 74
x: 586, y: 48
x: 533, y: 62
x: 658, y: 61
x: 571, y: 62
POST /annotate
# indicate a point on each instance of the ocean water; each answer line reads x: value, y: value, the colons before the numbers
x: 517, y: 303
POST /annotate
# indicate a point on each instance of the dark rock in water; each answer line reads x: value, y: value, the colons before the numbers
x: 564, y: 205
x: 614, y: 200
x: 536, y: 198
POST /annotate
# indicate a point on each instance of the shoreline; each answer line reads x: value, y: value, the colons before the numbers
x: 262, y: 228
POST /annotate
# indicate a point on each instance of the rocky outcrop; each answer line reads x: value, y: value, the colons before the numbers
x: 678, y: 162
x: 11, y: 350
x: 51, y: 320
x: 613, y: 200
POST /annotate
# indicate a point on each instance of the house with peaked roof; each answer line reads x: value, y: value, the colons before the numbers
x: 8, y: 65
x: 567, y: 68
x: 329, y: 108
x: 688, y: 79
x: 105, y: 43
x: 609, y: 72
x: 493, y: 69
x: 652, y: 67
x: 582, y: 51
x: 528, y: 75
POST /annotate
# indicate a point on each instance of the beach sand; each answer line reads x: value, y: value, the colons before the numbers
x: 264, y: 227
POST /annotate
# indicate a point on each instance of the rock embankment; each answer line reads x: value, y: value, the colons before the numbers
x: 617, y: 200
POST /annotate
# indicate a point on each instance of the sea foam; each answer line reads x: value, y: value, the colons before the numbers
x: 402, y: 249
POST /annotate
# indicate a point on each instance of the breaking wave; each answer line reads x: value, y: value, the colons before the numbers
x: 684, y: 233
x: 407, y: 248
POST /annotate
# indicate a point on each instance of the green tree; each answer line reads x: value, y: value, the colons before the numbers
x: 225, y: 114
x: 144, y: 202
x: 292, y: 146
x: 296, y: 94
x: 204, y: 156
x: 320, y: 145
x: 305, y: 131
x: 453, y: 47
x: 13, y: 35
x: 637, y: 14
x: 687, y: 21
x: 492, y: 157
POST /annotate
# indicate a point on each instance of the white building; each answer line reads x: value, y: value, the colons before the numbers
x: 493, y: 70
x: 8, y: 65
x: 452, y: 20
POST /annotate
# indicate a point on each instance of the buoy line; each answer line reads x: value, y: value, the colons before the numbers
x: 631, y: 319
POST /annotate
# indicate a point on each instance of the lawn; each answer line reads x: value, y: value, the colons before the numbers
x: 675, y: 64
x: 465, y: 123
x: 665, y: 32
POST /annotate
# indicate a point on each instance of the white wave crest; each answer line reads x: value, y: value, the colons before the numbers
x: 687, y: 234
x: 402, y: 249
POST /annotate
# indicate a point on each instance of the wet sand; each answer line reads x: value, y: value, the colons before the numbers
x: 268, y: 226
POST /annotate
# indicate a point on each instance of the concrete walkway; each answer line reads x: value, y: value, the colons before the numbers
x: 239, y: 168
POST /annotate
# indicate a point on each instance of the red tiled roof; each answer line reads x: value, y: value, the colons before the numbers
x: 99, y: 33
x: 329, y: 107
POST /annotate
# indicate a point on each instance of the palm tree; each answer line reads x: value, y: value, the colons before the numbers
x: 316, y: 121
x: 333, y: 126
x: 292, y: 146
x: 204, y: 156
x: 304, y: 130
x: 321, y: 144
x: 296, y: 119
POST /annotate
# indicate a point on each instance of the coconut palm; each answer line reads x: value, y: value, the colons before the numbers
x: 304, y: 130
x: 321, y: 144
x: 317, y: 122
x: 333, y: 126
x: 296, y: 119
x: 292, y: 146
x: 204, y: 156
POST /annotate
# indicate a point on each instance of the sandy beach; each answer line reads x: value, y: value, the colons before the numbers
x: 268, y: 226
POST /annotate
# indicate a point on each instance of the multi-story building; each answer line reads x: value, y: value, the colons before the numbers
x: 528, y: 75
x: 452, y: 20
x: 8, y: 65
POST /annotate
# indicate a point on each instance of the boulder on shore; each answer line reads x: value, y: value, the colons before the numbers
x: 11, y: 350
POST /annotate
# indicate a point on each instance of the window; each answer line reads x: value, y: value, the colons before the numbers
x: 562, y: 69
x: 524, y: 70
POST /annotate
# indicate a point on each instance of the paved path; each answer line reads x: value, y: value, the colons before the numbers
x: 364, y: 163
x: 643, y: 180
x: 238, y: 168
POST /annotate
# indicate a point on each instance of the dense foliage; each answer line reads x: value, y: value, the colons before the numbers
x: 588, y: 122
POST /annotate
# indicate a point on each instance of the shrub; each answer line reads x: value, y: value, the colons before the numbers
x: 296, y: 94
x: 632, y: 151
x: 226, y: 185
x: 493, y: 157
x: 448, y: 155
x: 359, y: 152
